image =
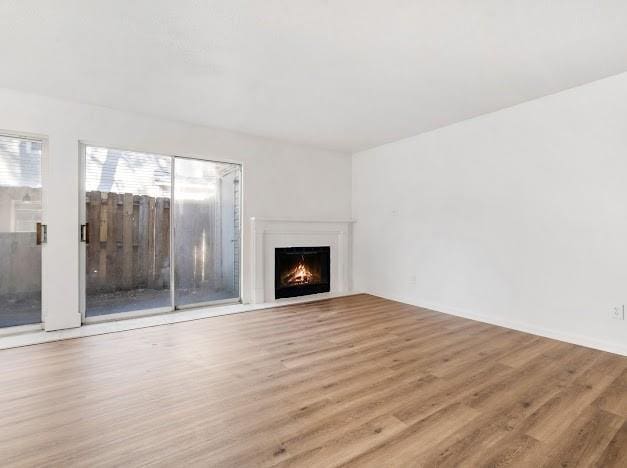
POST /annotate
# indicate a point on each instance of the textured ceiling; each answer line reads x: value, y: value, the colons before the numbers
x: 338, y: 74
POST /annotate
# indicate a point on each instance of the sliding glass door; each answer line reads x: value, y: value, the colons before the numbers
x: 206, y: 239
x: 21, y: 232
x: 141, y: 207
x: 127, y: 231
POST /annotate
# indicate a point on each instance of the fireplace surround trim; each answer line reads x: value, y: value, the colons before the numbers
x: 268, y: 234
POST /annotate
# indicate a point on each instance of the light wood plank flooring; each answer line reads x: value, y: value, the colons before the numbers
x: 355, y: 381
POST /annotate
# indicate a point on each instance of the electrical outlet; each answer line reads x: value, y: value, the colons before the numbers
x: 618, y: 312
x: 412, y: 280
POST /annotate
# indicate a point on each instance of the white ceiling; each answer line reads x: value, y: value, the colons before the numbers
x: 338, y: 74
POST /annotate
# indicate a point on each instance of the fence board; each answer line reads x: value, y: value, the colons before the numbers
x: 150, y: 232
x: 127, y: 240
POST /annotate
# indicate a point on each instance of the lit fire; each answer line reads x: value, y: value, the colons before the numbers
x: 300, y: 274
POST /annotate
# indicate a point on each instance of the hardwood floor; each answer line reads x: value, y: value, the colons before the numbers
x: 354, y: 381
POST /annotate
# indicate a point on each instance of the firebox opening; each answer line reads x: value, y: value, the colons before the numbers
x: 301, y: 270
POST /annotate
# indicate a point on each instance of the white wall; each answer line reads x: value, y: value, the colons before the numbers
x: 518, y: 217
x: 279, y: 179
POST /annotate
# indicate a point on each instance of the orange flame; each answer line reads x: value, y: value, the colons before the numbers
x: 300, y: 274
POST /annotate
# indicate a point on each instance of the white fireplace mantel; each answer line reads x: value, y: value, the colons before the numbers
x: 269, y: 234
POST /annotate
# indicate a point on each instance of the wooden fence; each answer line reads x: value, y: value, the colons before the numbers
x: 129, y: 247
x: 129, y: 242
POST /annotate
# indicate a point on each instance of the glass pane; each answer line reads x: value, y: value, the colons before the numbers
x: 128, y: 212
x: 20, y: 210
x: 207, y: 231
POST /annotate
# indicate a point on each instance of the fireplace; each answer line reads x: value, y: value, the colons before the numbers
x: 301, y: 270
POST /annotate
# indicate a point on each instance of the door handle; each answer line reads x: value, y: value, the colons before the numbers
x: 85, y: 233
x: 42, y: 233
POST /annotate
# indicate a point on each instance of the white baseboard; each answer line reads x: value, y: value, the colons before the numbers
x: 25, y: 339
x: 132, y: 323
x: 610, y: 347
